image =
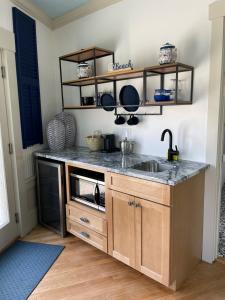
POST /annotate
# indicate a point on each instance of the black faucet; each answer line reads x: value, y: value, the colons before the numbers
x: 171, y: 152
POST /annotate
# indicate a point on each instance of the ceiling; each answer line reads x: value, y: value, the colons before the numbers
x: 58, y: 8
x: 57, y: 13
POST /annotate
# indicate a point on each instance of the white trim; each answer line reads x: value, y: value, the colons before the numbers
x: 7, y: 47
x: 34, y: 11
x: 24, y: 189
x: 7, y: 40
x: 217, y: 9
x: 214, y: 147
x: 57, y: 22
x: 82, y: 11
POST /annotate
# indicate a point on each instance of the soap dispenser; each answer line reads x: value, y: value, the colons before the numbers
x: 176, y: 154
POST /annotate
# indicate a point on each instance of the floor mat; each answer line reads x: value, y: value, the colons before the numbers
x: 22, y: 266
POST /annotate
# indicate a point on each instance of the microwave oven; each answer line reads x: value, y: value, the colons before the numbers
x: 88, y: 189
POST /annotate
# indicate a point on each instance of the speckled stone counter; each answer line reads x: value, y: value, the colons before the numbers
x: 117, y: 163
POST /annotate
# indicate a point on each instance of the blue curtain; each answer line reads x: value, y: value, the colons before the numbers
x: 28, y: 78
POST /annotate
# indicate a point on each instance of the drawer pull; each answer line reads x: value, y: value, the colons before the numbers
x: 85, y: 220
x: 85, y: 234
x: 131, y: 203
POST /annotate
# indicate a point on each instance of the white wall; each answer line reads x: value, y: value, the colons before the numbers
x: 136, y: 30
x: 26, y: 198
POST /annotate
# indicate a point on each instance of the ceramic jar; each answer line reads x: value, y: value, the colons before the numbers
x: 168, y: 54
x: 84, y: 70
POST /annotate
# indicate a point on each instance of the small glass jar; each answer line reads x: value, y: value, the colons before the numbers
x: 84, y: 70
x: 168, y: 54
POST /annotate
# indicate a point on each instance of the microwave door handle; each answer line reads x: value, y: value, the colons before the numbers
x: 95, y: 191
x: 96, y: 194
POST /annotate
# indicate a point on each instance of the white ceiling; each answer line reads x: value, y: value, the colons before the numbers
x: 58, y: 8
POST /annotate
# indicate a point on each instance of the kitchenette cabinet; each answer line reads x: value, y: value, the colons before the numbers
x: 139, y: 234
x: 156, y: 228
x: 121, y: 230
x: 152, y: 227
x: 152, y: 222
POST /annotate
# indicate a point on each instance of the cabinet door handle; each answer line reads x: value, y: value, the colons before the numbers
x: 85, y: 220
x: 137, y: 205
x: 131, y: 203
x: 85, y: 234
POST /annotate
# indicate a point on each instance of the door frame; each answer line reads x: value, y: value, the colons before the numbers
x: 215, y: 131
x: 7, y: 46
x: 8, y: 230
x: 11, y: 230
x: 24, y: 185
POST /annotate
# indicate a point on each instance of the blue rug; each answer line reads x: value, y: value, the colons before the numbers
x: 22, y: 266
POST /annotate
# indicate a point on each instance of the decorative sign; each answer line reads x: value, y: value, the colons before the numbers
x: 117, y: 67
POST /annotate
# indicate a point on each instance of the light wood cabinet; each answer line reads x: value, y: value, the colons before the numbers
x: 152, y: 239
x: 87, y: 217
x: 152, y: 227
x: 140, y: 234
x: 160, y: 233
x: 90, y: 236
x: 123, y: 227
x: 141, y: 188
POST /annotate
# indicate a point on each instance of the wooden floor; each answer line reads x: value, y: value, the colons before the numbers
x: 83, y: 272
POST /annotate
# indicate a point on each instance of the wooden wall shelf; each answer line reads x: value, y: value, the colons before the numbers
x: 142, y: 73
x: 85, y: 81
x: 169, y: 68
x: 105, y: 78
x: 86, y: 54
x: 81, y: 107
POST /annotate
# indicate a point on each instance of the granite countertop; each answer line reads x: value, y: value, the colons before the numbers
x: 117, y: 163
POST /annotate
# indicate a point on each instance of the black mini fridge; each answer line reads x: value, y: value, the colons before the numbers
x: 51, y: 195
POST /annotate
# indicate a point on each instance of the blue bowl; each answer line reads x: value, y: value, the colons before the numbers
x: 159, y: 98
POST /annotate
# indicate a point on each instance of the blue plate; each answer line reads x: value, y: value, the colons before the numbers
x: 129, y: 96
x: 107, y: 101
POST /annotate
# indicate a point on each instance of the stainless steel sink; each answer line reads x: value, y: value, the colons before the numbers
x: 152, y: 166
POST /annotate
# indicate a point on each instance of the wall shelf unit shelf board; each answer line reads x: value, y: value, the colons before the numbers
x: 86, y: 54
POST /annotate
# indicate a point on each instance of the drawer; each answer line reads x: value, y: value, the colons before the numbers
x: 153, y: 191
x: 87, y: 217
x: 95, y: 239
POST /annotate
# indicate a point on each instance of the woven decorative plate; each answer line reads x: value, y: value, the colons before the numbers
x: 56, y: 135
x: 70, y: 125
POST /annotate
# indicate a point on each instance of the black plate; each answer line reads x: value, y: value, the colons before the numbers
x: 129, y: 96
x: 107, y: 100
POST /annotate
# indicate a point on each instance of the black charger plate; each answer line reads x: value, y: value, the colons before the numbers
x: 129, y: 96
x: 107, y: 101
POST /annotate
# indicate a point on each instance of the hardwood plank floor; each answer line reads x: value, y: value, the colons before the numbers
x: 84, y: 273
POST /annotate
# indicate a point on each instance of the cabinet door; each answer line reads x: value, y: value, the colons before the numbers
x: 121, y: 227
x: 152, y: 239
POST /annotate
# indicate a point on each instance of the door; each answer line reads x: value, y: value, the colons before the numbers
x: 152, y: 239
x: 122, y: 227
x: 8, y: 226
